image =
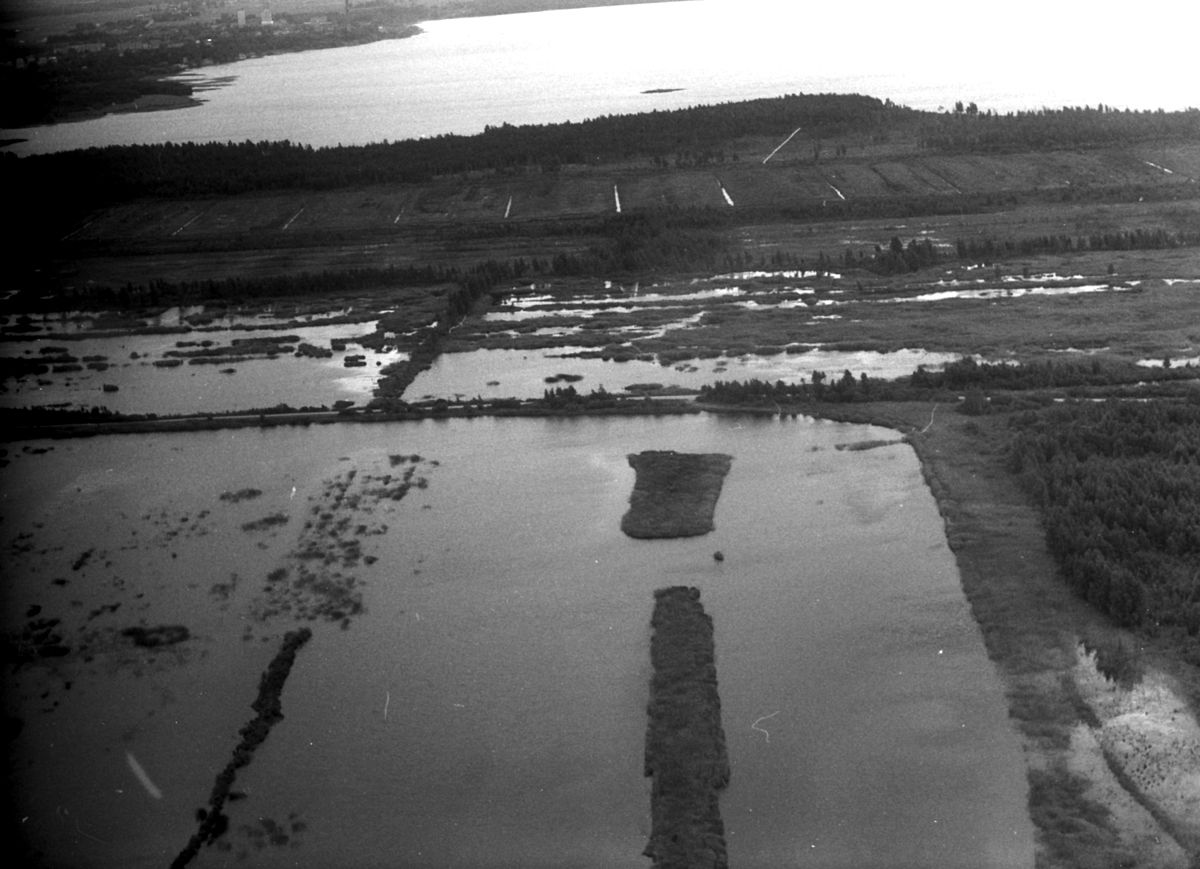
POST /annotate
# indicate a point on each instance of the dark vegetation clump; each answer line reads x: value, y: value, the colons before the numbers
x: 675, y: 494
x: 269, y: 708
x: 240, y: 495
x: 39, y: 638
x: 685, y: 741
x: 266, y: 522
x: 160, y: 635
x: 1074, y: 830
x: 1116, y: 660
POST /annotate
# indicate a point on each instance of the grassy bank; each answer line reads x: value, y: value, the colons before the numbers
x: 1087, y: 811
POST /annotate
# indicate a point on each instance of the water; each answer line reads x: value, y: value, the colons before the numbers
x: 463, y: 74
x: 522, y: 373
x: 488, y: 708
x: 144, y: 387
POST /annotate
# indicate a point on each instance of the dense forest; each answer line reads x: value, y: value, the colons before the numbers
x: 700, y: 135
x: 1068, y: 127
x: 1118, y: 484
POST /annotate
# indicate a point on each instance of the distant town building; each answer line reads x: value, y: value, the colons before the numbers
x: 241, y: 18
x: 266, y: 17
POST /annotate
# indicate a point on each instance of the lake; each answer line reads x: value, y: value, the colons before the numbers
x: 463, y: 74
x: 487, y: 706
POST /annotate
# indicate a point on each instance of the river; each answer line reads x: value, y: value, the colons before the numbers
x: 487, y: 708
x: 462, y: 74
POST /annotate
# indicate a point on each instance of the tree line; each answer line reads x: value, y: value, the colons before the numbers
x: 158, y: 292
x: 965, y: 375
x: 1158, y: 238
x: 1067, y: 127
x: 194, y: 169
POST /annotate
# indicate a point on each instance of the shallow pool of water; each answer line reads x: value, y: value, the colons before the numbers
x: 1012, y: 292
x: 143, y: 387
x: 488, y: 706
x: 523, y: 373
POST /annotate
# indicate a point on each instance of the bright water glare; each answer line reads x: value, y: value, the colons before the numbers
x: 462, y: 74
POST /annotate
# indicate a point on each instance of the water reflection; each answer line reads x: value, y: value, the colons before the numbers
x: 137, y: 365
x: 523, y: 373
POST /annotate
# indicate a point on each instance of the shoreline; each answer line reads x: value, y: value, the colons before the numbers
x: 1085, y: 739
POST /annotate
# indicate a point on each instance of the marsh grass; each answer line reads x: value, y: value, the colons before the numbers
x: 674, y: 494
x: 1075, y: 831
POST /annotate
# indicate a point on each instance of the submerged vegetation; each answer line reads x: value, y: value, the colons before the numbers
x: 685, y: 742
x: 268, y: 707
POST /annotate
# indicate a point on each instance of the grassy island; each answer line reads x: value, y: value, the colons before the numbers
x: 675, y: 494
x: 685, y: 743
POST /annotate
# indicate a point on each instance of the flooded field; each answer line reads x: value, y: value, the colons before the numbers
x: 681, y: 334
x: 229, y: 365
x: 528, y: 373
x: 474, y: 691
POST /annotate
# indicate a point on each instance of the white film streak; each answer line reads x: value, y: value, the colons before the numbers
x: 762, y: 730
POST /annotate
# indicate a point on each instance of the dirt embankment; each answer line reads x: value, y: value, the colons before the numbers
x: 685, y: 742
x: 675, y: 494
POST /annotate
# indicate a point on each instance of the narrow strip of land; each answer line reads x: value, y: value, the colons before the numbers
x: 685, y: 742
x: 269, y: 712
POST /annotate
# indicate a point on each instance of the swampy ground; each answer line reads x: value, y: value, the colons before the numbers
x: 781, y: 269
x: 1085, y: 811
